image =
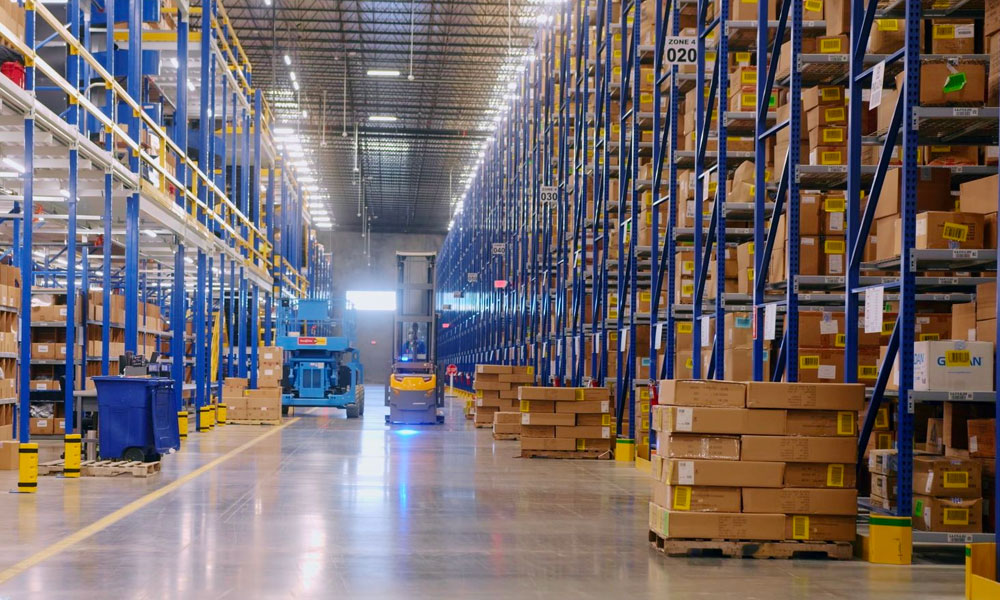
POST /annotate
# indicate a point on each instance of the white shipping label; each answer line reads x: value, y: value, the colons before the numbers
x: 685, y: 472
x: 828, y: 326
x: 623, y: 339
x: 827, y: 372
x: 965, y: 31
x: 706, y: 338
x: 836, y: 220
x: 973, y: 443
x: 971, y: 334
x: 525, y: 418
x: 479, y: 402
x: 878, y: 78
x: 836, y: 264
x: 659, y: 335
x: 874, y: 307
x: 605, y: 406
x: 930, y: 482
x: 921, y: 227
x: 685, y: 418
x: 605, y: 432
x: 770, y: 320
x: 597, y: 344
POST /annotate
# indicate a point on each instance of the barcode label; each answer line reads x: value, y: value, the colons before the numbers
x: 867, y: 372
x: 955, y: 479
x: 835, y: 475
x: 834, y: 204
x: 845, y: 423
x: 957, y: 358
x: 809, y: 362
x: 955, y: 232
x: 929, y: 337
x: 682, y: 498
x: 840, y: 341
x: 882, y: 418
x: 956, y: 516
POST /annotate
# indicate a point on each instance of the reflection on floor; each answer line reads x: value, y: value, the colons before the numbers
x: 331, y: 508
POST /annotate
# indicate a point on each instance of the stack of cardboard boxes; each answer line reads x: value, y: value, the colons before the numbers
x: 565, y: 422
x: 947, y: 491
x: 242, y: 404
x: 983, y: 449
x: 755, y: 461
x: 496, y: 391
x: 270, y: 366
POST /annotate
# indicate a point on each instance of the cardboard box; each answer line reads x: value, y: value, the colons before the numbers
x: 963, y: 321
x: 726, y: 473
x: 690, y: 419
x: 818, y: 396
x: 738, y: 526
x: 546, y: 443
x: 986, y: 301
x: 582, y: 407
x: 696, y: 498
x: 494, y: 369
x: 934, y: 75
x: 982, y: 438
x: 692, y: 392
x: 537, y: 406
x: 551, y: 419
x: 799, y: 449
x: 951, y: 477
x: 953, y: 36
x: 933, y: 193
x: 9, y: 460
x: 821, y: 528
x: 538, y: 431
x: 944, y: 230
x: 953, y: 365
x: 986, y: 331
x: 820, y: 475
x: 552, y: 394
x: 708, y: 447
x: 594, y: 432
x: 954, y: 515
x: 887, y: 36
x: 41, y: 426
x: 800, y: 501
x: 884, y: 486
x: 821, y: 423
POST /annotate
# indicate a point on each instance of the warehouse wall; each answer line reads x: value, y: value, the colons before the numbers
x: 351, y: 271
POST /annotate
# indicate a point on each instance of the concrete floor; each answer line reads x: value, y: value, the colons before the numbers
x: 327, y: 508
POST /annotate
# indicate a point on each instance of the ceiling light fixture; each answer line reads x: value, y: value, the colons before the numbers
x: 295, y: 84
x: 382, y: 73
x: 288, y: 60
x: 292, y: 75
x: 383, y: 118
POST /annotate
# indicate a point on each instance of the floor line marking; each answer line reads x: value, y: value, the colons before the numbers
x: 110, y: 519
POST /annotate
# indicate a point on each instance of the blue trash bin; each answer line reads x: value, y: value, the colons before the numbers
x: 136, y: 417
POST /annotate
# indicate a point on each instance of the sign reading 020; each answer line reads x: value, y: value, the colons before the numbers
x: 680, y: 51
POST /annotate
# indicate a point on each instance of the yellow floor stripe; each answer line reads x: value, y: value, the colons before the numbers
x: 105, y: 522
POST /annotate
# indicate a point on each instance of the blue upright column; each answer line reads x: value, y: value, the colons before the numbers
x: 27, y: 278
x: 134, y: 86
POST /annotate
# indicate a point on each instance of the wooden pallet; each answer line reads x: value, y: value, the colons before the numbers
x: 506, y: 436
x: 484, y: 425
x: 253, y: 421
x: 569, y: 454
x: 103, y: 468
x: 752, y: 549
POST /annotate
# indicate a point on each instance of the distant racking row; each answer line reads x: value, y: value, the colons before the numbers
x: 637, y: 219
x: 166, y: 210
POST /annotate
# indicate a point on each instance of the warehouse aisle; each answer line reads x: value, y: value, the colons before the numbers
x: 327, y: 508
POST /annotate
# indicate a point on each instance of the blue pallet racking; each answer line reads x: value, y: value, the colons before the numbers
x: 191, y: 190
x: 569, y: 198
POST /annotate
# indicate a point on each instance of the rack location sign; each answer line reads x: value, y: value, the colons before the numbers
x: 451, y: 370
x: 499, y: 248
x: 680, y: 51
x: 472, y: 277
x: 548, y: 194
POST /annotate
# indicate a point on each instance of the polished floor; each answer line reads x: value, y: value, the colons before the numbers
x: 331, y: 508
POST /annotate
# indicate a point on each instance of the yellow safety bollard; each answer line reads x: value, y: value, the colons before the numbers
x: 27, y: 480
x: 72, y: 446
x: 203, y: 419
x: 182, y: 423
x: 210, y: 412
x: 625, y: 450
x: 221, y: 414
x: 889, y: 540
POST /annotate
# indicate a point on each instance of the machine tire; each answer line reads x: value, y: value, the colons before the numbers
x: 134, y: 453
x: 353, y: 411
x: 361, y: 407
x: 284, y: 410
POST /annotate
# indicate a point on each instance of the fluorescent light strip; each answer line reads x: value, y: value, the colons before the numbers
x: 383, y: 118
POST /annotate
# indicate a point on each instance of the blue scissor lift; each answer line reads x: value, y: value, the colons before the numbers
x: 322, y: 366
